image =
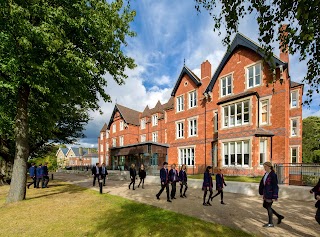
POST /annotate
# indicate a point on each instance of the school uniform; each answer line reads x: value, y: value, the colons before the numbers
x: 183, y: 182
x: 316, y: 191
x: 142, y: 176
x: 133, y: 174
x: 39, y: 174
x: 45, y: 178
x: 164, y: 177
x: 104, y: 173
x: 33, y: 176
x: 96, y: 174
x: 173, y: 178
x: 219, y: 186
x: 207, y: 186
x: 269, y: 189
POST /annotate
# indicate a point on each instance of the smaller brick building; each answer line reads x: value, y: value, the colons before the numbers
x: 246, y: 113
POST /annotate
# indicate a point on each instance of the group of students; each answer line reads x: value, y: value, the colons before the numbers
x: 99, y: 173
x: 38, y: 174
x: 133, y: 174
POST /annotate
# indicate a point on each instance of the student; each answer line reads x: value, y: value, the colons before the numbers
x: 133, y: 174
x: 45, y: 178
x: 33, y: 175
x: 183, y: 180
x: 316, y: 191
x: 219, y: 185
x: 142, y: 175
x: 173, y: 178
x: 269, y: 189
x: 96, y: 173
x: 39, y: 175
x: 207, y: 185
x: 104, y: 173
x: 164, y: 181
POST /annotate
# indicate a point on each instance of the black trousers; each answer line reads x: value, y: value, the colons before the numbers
x: 34, y: 182
x: 205, y: 194
x: 141, y: 181
x: 173, y: 189
x: 318, y: 215
x: 133, y: 182
x: 164, y: 186
x: 38, y: 182
x: 96, y: 176
x: 185, y: 189
x: 103, y: 177
x: 219, y: 192
x: 45, y: 181
x: 267, y: 205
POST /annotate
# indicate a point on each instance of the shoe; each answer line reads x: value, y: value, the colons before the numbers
x: 184, y: 195
x: 204, y: 204
x: 157, y: 197
x: 138, y: 186
x: 133, y: 189
x: 211, y: 199
x: 268, y: 225
x: 142, y: 187
x: 181, y: 196
x: 173, y: 198
x: 28, y: 186
x: 280, y: 218
x: 169, y: 200
x: 129, y: 186
x: 223, y: 203
x: 209, y: 204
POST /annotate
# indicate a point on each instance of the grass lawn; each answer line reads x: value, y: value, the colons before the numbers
x: 231, y: 178
x: 69, y: 210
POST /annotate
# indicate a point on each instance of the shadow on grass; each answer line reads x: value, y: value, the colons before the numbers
x: 135, y: 219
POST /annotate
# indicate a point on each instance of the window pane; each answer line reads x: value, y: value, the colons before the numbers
x: 250, y: 76
x: 232, y: 153
x: 232, y: 115
x: 226, y: 157
x: 239, y: 113
x: 239, y: 154
x: 257, y: 74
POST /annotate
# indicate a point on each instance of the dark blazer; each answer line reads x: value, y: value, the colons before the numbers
x: 316, y: 189
x: 45, y: 170
x: 164, y: 175
x: 183, y: 176
x: 105, y: 169
x: 207, y: 180
x: 270, y: 189
x: 39, y: 172
x: 142, y: 173
x: 33, y: 171
x: 172, y: 174
x: 133, y: 173
x: 220, y: 181
x: 94, y: 170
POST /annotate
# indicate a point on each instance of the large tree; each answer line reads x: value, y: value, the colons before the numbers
x: 53, y: 55
x: 302, y: 35
x: 311, y: 139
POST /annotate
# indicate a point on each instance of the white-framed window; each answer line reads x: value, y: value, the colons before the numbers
x: 154, y: 120
x: 180, y: 129
x: 107, y: 134
x: 143, y: 138
x: 264, y: 112
x: 215, y: 119
x: 236, y: 153
x: 143, y: 123
x: 114, y: 142
x: 101, y: 158
x: 294, y: 154
x: 226, y: 85
x: 101, y: 147
x: 263, y: 151
x: 101, y: 136
x: 107, y: 146
x: 192, y: 128
x: 192, y: 99
x: 121, y: 140
x: 294, y: 99
x: 254, y: 75
x: 107, y: 159
x: 180, y: 104
x: 186, y: 156
x: 121, y: 125
x: 236, y: 114
x: 294, y: 127
x: 155, y: 136
x: 114, y: 128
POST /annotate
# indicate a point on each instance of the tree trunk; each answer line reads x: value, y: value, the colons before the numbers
x: 19, y: 174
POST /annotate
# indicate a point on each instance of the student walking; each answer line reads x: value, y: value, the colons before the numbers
x: 183, y: 180
x: 316, y: 191
x: 104, y: 173
x: 173, y: 178
x: 33, y: 175
x: 219, y: 185
x: 45, y: 178
x: 164, y: 177
x: 96, y: 173
x: 133, y: 174
x: 207, y: 185
x: 142, y: 175
x: 269, y: 189
x: 39, y: 176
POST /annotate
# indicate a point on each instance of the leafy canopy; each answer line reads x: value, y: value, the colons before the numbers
x: 302, y: 34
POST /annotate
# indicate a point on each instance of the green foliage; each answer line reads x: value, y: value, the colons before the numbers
x: 302, y: 35
x: 311, y: 140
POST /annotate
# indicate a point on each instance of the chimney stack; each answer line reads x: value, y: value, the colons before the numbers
x: 205, y: 70
x: 80, y: 151
x: 284, y: 49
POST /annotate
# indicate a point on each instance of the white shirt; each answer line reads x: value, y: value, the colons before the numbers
x: 265, y: 177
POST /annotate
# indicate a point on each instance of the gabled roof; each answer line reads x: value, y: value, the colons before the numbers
x: 192, y: 76
x: 63, y: 150
x: 104, y: 128
x: 169, y: 104
x: 242, y: 41
x: 157, y: 109
x: 76, y: 151
x: 130, y: 116
x: 146, y: 112
x: 295, y: 84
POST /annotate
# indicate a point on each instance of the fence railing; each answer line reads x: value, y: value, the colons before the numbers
x: 298, y: 173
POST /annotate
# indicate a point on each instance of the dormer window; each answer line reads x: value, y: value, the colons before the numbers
x: 121, y: 125
x: 226, y: 86
x: 254, y: 75
x: 143, y: 123
x: 294, y: 99
x: 114, y: 128
x: 154, y: 120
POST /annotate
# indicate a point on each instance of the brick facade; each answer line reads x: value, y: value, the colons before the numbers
x: 235, y: 119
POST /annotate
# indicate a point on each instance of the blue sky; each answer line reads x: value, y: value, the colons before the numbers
x: 169, y: 32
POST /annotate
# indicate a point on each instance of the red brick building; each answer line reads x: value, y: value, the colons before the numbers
x: 244, y: 114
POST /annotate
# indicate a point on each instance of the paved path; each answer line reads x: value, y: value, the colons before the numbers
x: 242, y: 212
